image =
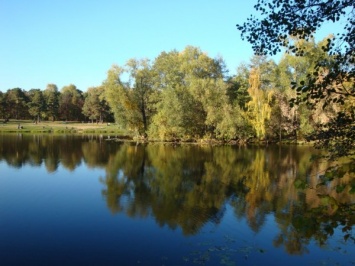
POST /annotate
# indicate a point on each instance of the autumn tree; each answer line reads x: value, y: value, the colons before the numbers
x: 115, y: 94
x: 297, y: 120
x: 120, y: 99
x: 259, y: 109
x: 328, y: 84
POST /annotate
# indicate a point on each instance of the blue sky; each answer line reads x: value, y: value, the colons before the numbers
x: 76, y: 41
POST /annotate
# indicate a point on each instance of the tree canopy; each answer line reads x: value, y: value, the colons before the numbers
x: 285, y: 24
x: 282, y: 21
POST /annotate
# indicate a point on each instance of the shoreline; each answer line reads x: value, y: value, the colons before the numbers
x: 114, y: 133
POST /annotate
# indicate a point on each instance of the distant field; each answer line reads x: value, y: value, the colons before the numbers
x: 26, y: 126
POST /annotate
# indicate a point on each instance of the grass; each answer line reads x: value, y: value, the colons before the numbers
x: 27, y: 126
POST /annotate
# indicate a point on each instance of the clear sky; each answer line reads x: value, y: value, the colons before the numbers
x: 76, y: 41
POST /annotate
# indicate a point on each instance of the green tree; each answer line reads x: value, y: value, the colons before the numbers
x: 184, y: 82
x: 238, y: 85
x: 71, y: 103
x: 119, y: 97
x: 185, y: 119
x: 141, y: 90
x: 16, y: 100
x: 267, y: 71
x: 131, y: 101
x: 51, y: 97
x: 95, y: 106
x: 2, y: 104
x: 36, y: 105
x: 169, y: 123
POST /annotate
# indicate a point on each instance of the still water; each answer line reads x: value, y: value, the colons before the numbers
x: 83, y: 200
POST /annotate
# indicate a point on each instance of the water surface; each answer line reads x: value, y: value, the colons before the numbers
x: 83, y: 200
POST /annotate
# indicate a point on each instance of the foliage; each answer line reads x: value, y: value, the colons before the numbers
x: 168, y: 123
x: 237, y: 87
x: 115, y: 95
x: 259, y: 109
x: 36, y: 104
x: 16, y: 106
x: 51, y: 97
x: 188, y: 96
x: 95, y: 106
x: 3, y: 104
x: 141, y: 91
x: 70, y: 103
x: 195, y: 83
x: 330, y: 82
x: 337, y: 136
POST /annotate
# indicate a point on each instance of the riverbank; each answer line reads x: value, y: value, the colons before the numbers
x: 26, y: 126
x: 117, y: 134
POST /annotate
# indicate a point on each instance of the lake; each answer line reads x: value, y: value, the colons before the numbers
x: 85, y: 200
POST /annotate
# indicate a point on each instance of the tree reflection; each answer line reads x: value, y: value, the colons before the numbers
x: 14, y: 150
x: 187, y: 186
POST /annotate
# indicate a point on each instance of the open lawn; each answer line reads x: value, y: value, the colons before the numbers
x: 27, y: 126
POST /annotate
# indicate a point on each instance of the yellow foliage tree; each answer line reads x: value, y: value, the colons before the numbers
x: 259, y: 109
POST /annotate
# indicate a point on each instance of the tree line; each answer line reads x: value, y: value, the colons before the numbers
x: 68, y: 104
x: 187, y: 96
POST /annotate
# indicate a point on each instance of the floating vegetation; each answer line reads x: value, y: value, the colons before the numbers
x: 225, y: 253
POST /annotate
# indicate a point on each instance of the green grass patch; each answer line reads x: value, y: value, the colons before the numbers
x: 26, y: 126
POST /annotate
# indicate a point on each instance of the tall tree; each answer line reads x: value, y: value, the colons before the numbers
x: 267, y: 70
x: 17, y: 104
x: 190, y: 76
x: 238, y: 85
x: 51, y: 97
x: 259, y: 109
x: 36, y: 104
x: 2, y: 104
x: 95, y: 106
x: 168, y: 122
x: 299, y: 119
x: 71, y: 103
x: 141, y: 90
x: 118, y: 97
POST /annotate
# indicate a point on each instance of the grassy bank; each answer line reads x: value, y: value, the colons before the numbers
x: 26, y: 126
x: 60, y: 127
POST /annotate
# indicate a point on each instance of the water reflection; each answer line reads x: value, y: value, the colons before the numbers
x: 188, y: 186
